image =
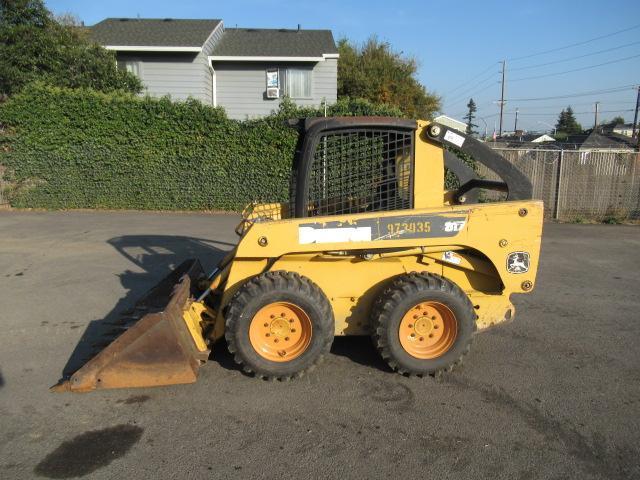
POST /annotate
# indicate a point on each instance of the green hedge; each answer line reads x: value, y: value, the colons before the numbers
x: 65, y: 148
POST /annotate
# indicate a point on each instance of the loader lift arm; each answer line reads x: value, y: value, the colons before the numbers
x: 514, y: 182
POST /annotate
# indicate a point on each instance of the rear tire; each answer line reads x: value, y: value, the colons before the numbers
x: 423, y: 324
x: 279, y: 325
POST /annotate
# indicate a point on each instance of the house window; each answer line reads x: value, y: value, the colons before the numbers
x: 298, y: 83
x: 131, y: 66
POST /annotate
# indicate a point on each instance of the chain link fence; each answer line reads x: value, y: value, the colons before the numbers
x: 579, y: 185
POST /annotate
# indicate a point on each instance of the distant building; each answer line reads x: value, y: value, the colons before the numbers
x: 543, y: 138
x: 520, y: 138
x: 451, y: 122
x: 599, y: 139
x: 625, y: 129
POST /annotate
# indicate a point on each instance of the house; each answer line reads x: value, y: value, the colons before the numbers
x: 594, y: 139
x: 247, y: 71
x: 451, y: 122
x: 522, y: 139
x: 625, y: 129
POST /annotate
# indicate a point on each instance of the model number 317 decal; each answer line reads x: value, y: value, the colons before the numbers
x: 454, y: 226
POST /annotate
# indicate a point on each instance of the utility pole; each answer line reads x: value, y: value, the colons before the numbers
x: 485, y: 128
x: 635, y: 116
x: 595, y: 121
x: 515, y: 124
x: 504, y: 67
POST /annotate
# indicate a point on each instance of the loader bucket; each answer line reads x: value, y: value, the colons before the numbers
x: 150, y: 345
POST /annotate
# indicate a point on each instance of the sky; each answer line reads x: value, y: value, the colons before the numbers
x: 459, y: 46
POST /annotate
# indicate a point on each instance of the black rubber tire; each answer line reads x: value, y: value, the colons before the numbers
x: 272, y: 287
x: 405, y: 292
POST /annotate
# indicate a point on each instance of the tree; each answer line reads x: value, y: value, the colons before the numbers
x: 470, y: 116
x: 375, y: 72
x: 34, y: 46
x: 567, y: 123
x: 614, y: 121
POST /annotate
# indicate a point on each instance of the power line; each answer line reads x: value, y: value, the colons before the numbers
x: 574, y: 57
x: 472, y: 79
x: 574, y: 104
x: 471, y: 91
x: 575, y: 69
x: 575, y: 113
x: 544, y: 52
x: 573, y: 95
x: 550, y: 113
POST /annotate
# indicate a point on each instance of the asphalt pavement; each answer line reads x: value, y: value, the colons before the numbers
x: 553, y: 395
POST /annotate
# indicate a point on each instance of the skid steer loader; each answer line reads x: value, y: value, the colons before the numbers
x: 370, y: 243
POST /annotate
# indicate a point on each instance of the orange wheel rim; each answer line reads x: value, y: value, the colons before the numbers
x: 428, y: 330
x: 280, y: 331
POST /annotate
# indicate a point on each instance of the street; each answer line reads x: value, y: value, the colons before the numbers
x: 554, y: 394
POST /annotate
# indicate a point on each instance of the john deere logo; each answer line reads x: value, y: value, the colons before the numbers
x: 518, y: 262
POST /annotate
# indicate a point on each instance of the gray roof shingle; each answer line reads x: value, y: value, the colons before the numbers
x: 152, y: 32
x: 259, y: 42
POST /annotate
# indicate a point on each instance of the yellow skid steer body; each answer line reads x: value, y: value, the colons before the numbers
x: 489, y: 250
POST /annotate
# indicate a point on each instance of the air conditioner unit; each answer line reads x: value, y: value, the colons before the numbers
x: 273, y: 92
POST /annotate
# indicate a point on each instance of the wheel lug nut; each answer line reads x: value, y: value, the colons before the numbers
x: 291, y: 320
x: 266, y: 324
x: 431, y: 335
x: 411, y: 325
x: 282, y: 315
x: 268, y: 335
x: 415, y: 317
x: 286, y: 339
x: 293, y: 330
x: 421, y: 339
x: 275, y: 340
x: 413, y: 334
x: 435, y: 327
x: 433, y: 318
x: 273, y: 316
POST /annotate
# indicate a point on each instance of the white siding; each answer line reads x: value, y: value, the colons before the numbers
x: 241, y: 86
x: 203, y: 58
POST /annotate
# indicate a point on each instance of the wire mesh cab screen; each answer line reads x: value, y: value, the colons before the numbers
x: 361, y: 170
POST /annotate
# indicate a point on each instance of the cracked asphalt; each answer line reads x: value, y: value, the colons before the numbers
x: 553, y: 395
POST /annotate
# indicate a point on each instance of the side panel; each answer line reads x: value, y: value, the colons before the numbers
x: 498, y: 230
x: 473, y: 246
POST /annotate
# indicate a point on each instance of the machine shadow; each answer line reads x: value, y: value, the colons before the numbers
x: 359, y: 349
x: 156, y: 256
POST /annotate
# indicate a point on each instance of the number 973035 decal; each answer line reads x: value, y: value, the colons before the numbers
x: 396, y: 227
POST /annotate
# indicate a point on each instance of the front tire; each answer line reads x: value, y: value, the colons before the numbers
x: 279, y: 325
x: 423, y: 324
